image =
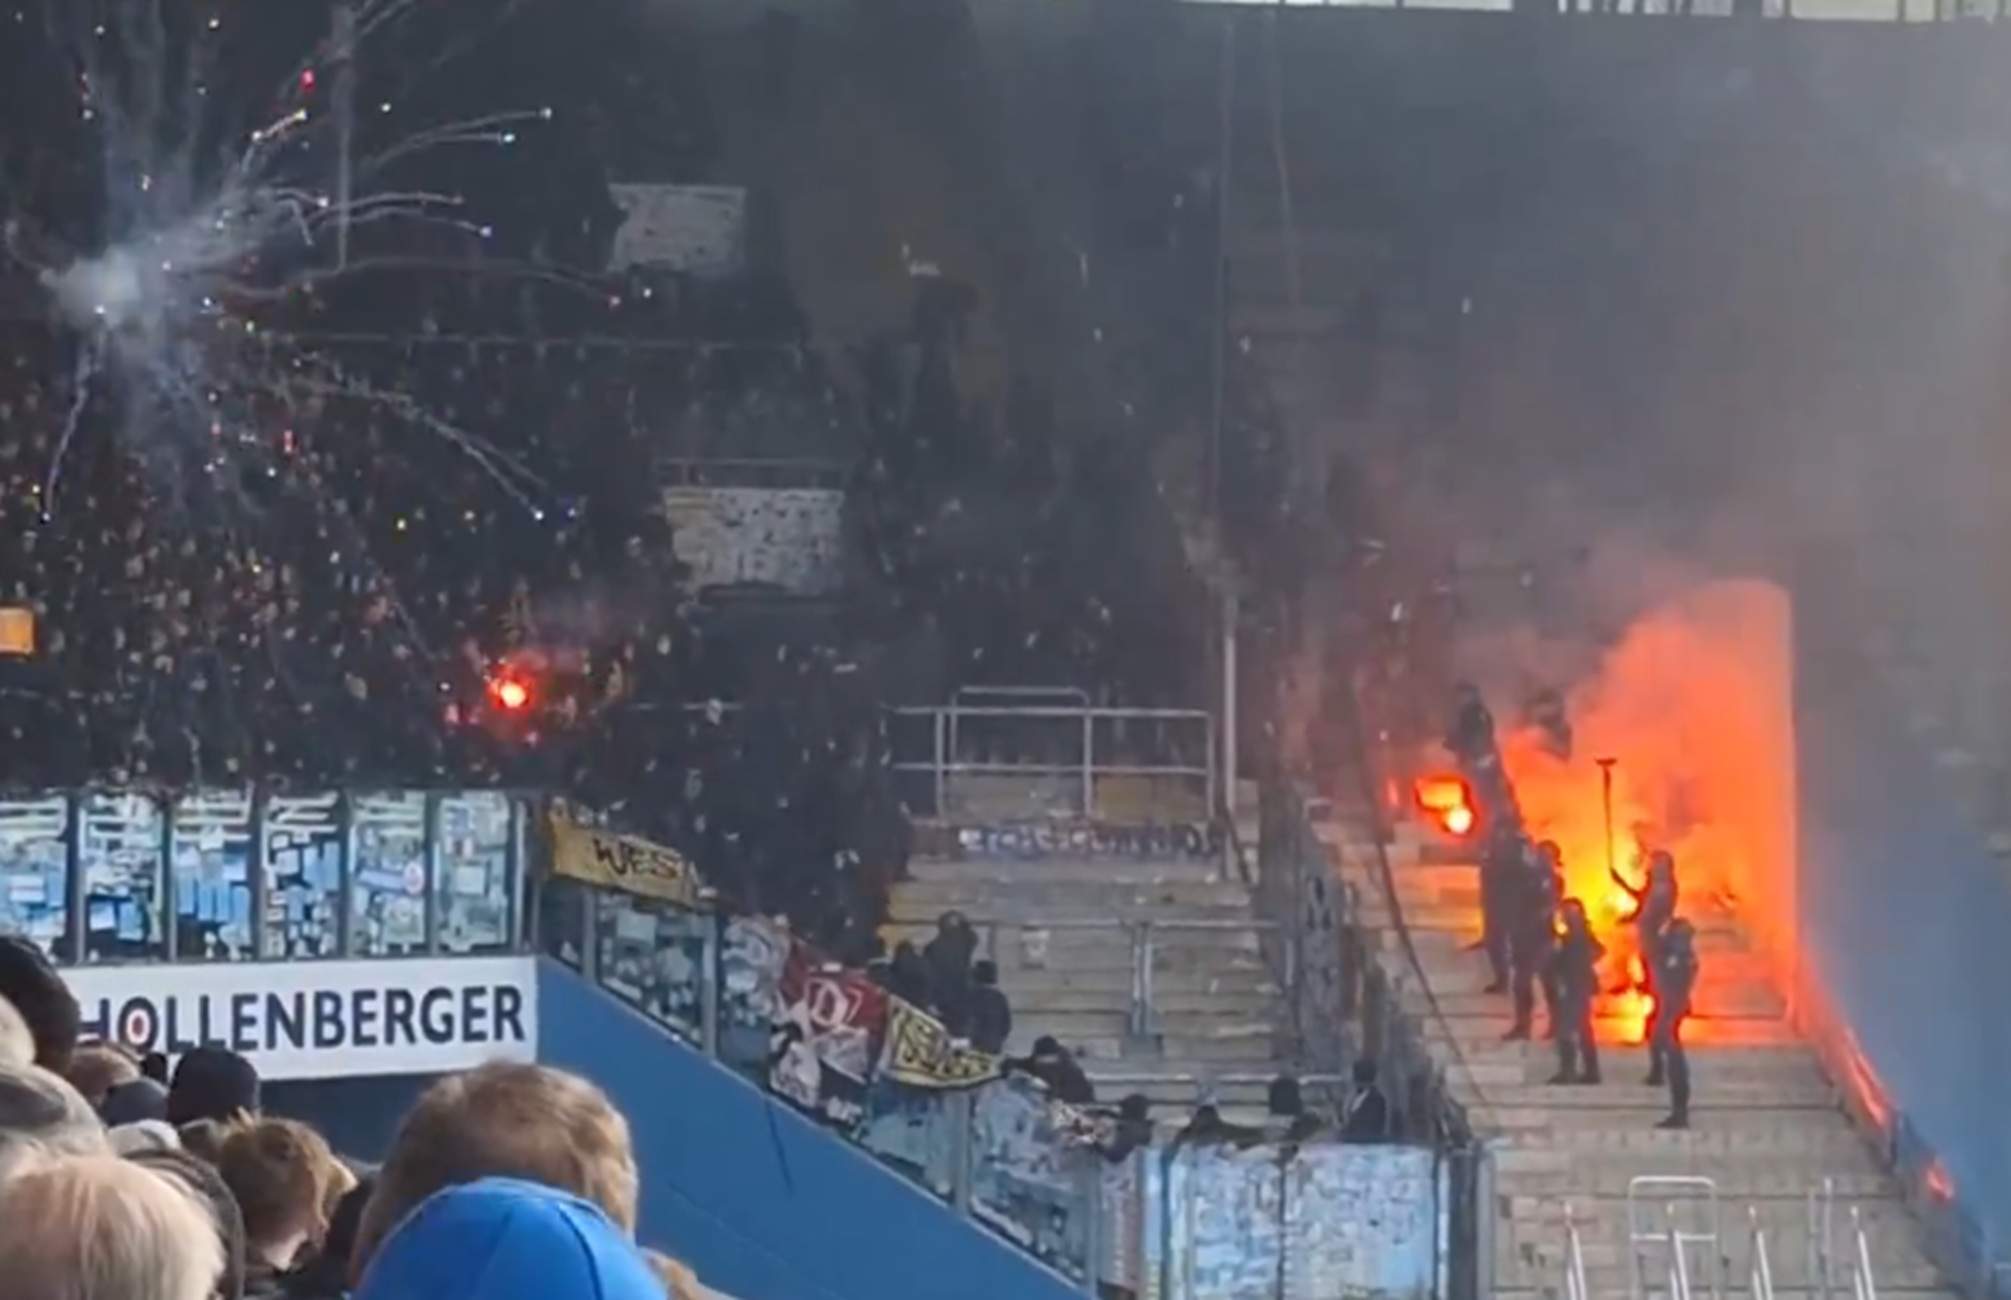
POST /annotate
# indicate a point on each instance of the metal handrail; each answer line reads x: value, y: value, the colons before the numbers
x: 1761, y: 1279
x: 1863, y: 1285
x: 1679, y: 1261
x: 1678, y: 1241
x: 1574, y: 1259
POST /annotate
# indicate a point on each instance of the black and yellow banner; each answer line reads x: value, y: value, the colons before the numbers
x: 635, y: 866
x: 920, y: 1052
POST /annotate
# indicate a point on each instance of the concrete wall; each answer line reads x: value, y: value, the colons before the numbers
x: 1906, y: 932
x: 763, y: 1203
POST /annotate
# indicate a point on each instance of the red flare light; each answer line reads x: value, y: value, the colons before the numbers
x: 508, y: 693
x: 1449, y: 802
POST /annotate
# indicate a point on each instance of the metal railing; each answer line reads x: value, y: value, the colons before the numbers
x: 1824, y: 1267
x: 1142, y: 935
x: 1760, y: 1278
x: 1575, y: 1287
x: 1055, y: 758
x: 1642, y: 1235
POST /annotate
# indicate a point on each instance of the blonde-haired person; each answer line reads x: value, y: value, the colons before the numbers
x: 510, y: 1121
x: 101, y: 1228
x: 279, y: 1170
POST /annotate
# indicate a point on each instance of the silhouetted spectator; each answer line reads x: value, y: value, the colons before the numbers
x: 991, y: 1013
x: 1134, y: 1128
x: 1287, y: 1106
x: 949, y: 960
x: 1366, y: 1120
x: 1208, y: 1128
x: 213, y: 1083
x: 1054, y: 1066
x: 134, y: 1102
x: 908, y: 976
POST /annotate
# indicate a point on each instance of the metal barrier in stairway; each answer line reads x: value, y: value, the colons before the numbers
x: 1760, y: 1281
x: 1824, y: 1266
x: 1574, y: 1259
x: 1676, y: 1196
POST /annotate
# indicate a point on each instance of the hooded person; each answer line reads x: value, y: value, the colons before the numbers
x: 506, y: 1239
x: 948, y: 957
x: 212, y: 1083
x: 38, y: 993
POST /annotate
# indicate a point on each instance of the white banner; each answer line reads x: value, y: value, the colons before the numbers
x: 322, y: 1019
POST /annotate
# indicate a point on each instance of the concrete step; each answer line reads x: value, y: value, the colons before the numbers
x: 1562, y: 1174
x: 1631, y: 1094
x: 1022, y: 912
x: 1534, y: 1122
x: 1184, y: 1026
x: 1244, y: 978
x: 1094, y: 948
x: 1815, y: 1146
x: 1038, y: 1003
x: 1716, y: 998
x: 1112, y: 871
x: 1463, y: 925
x: 1223, y: 1054
x: 987, y: 898
x: 1482, y: 1033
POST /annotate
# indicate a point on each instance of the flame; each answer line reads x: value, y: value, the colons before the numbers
x: 1693, y: 702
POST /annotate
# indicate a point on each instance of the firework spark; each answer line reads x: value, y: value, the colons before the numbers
x: 206, y: 222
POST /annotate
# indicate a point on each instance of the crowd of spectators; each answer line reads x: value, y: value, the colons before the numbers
x: 509, y: 1182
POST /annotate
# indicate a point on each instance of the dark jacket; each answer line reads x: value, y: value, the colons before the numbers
x: 1367, y: 1120
x: 1575, y: 966
x: 990, y: 1019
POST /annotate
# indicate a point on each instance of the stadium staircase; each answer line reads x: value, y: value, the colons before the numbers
x: 1767, y: 1127
x: 1073, y: 937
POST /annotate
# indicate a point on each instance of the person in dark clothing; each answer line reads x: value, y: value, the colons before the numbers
x: 1550, y: 861
x: 1367, y: 1120
x: 1531, y: 940
x: 1208, y: 1128
x: 908, y: 976
x: 1654, y: 904
x: 1470, y: 735
x: 948, y: 956
x: 1288, y: 1106
x: 1134, y: 1128
x: 1675, y: 982
x: 990, y: 1013
x: 1574, y: 977
x: 1052, y: 1064
x: 1502, y: 867
x: 213, y: 1083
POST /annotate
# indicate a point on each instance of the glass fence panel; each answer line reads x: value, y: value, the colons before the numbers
x: 751, y: 958
x: 915, y: 1131
x: 121, y: 850
x: 1028, y: 1177
x: 209, y: 865
x: 652, y: 956
x: 387, y: 874
x: 471, y: 894
x: 35, y: 870
x: 301, y: 847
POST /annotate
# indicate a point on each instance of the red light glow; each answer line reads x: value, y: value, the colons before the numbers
x: 510, y: 694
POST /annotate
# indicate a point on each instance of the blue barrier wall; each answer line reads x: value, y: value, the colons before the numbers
x: 1906, y: 925
x: 762, y: 1202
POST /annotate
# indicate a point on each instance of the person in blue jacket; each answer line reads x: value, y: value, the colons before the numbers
x: 505, y: 1239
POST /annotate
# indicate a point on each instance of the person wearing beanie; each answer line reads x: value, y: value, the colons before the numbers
x: 209, y: 1189
x: 29, y: 982
x: 506, y: 1239
x: 213, y: 1083
x: 130, y: 1103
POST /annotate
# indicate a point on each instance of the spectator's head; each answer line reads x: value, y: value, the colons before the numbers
x: 985, y: 973
x: 504, y: 1239
x: 130, y: 1103
x: 1364, y: 1071
x: 203, y: 1139
x: 17, y: 1044
x: 154, y: 1065
x: 1550, y: 855
x: 222, y: 1218
x: 1284, y: 1096
x: 42, y: 1114
x: 279, y: 1170
x: 1573, y: 912
x: 952, y: 922
x: 1135, y: 1108
x: 509, y: 1121
x: 1048, y: 1048
x: 101, y: 1228
x: 96, y: 1068
x: 29, y: 982
x: 1661, y: 865
x: 213, y: 1083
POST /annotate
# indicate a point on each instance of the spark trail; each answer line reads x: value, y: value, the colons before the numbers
x: 204, y: 222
